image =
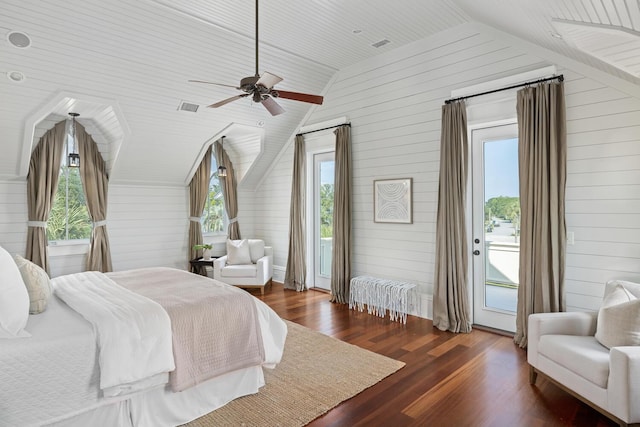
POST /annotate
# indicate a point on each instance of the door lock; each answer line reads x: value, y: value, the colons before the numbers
x: 476, y: 241
x: 476, y: 252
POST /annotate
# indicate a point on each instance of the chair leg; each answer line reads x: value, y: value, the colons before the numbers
x: 533, y: 375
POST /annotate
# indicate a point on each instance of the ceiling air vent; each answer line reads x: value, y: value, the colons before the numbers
x: 188, y: 106
x: 381, y: 43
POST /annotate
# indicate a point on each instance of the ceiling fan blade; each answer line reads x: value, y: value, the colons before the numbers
x: 297, y: 96
x: 211, y: 83
x: 272, y: 106
x: 268, y: 80
x: 228, y: 100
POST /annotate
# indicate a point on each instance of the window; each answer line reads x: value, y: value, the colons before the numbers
x: 213, y: 217
x: 69, y: 218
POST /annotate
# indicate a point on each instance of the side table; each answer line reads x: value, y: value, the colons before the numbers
x: 198, y: 265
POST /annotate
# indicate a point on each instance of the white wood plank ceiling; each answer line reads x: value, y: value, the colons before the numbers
x: 138, y: 56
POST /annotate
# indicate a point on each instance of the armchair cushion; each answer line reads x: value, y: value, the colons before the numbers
x: 248, y: 270
x: 238, y: 252
x: 582, y: 355
x: 619, y: 318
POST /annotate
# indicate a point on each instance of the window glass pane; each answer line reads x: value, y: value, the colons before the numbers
x: 213, y: 214
x: 69, y: 218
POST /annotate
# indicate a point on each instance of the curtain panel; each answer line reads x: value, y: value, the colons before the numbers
x: 296, y: 270
x: 95, y: 182
x: 229, y: 191
x: 42, y: 183
x: 341, y: 254
x: 542, y: 157
x: 450, y: 290
x: 198, y: 191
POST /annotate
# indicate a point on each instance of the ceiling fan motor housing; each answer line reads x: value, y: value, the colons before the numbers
x: 248, y: 84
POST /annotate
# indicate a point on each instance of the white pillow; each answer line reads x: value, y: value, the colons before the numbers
x: 619, y: 319
x: 37, y: 282
x: 14, y: 299
x: 238, y: 252
x: 256, y: 249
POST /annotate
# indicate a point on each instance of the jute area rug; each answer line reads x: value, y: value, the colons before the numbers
x: 317, y: 372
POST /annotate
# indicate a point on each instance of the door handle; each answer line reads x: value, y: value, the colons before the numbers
x: 476, y: 252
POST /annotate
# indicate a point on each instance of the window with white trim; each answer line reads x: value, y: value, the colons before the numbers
x: 214, y: 220
x: 69, y: 218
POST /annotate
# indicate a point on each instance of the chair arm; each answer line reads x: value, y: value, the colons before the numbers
x: 566, y: 323
x: 623, y: 392
x: 264, y: 268
x: 218, y: 265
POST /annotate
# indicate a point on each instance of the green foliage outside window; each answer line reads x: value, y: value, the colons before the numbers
x: 326, y: 210
x: 504, y: 207
x: 69, y: 218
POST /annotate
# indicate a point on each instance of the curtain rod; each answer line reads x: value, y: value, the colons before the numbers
x: 318, y: 130
x: 560, y: 78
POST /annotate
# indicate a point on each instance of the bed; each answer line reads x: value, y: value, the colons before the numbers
x: 73, y: 372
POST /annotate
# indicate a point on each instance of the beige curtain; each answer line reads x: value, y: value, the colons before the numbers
x: 341, y: 256
x: 42, y: 183
x: 296, y: 272
x: 229, y: 191
x: 542, y: 157
x: 95, y: 182
x: 198, y: 191
x: 450, y: 295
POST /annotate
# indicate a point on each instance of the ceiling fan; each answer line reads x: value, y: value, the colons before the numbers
x: 261, y: 88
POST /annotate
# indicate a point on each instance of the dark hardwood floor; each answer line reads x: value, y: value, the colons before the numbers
x: 476, y: 379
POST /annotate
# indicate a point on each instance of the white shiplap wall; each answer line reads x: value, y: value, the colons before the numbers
x: 394, y: 103
x: 13, y: 216
x: 147, y: 226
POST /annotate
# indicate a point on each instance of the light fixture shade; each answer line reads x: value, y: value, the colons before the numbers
x: 222, y: 171
x: 73, y: 160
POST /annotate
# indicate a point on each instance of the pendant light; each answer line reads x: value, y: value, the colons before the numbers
x: 222, y: 171
x: 73, y: 160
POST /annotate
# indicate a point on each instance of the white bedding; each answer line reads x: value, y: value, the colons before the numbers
x: 134, y: 332
x: 55, y: 375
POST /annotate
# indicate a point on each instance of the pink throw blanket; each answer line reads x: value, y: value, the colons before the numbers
x: 215, y: 326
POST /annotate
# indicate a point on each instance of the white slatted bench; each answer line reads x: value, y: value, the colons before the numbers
x: 380, y: 295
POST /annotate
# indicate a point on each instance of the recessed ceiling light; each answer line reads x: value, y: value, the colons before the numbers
x: 260, y: 123
x: 16, y: 76
x: 356, y: 31
x: 18, y: 39
x: 556, y: 35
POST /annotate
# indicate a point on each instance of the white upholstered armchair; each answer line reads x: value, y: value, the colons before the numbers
x: 248, y: 264
x: 572, y: 350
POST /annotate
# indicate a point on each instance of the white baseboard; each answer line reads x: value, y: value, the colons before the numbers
x: 278, y: 273
x: 425, y: 307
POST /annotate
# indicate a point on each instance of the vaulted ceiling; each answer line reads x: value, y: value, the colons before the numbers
x: 124, y: 66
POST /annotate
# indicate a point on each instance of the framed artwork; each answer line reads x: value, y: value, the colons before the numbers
x: 392, y: 201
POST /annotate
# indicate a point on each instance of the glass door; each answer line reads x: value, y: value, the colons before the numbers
x: 323, y: 218
x: 496, y: 226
